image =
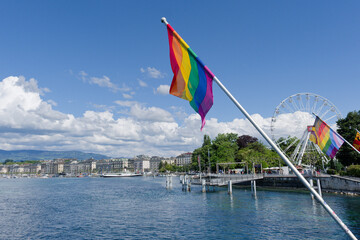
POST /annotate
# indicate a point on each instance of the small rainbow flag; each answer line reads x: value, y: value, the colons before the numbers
x: 356, y: 142
x: 192, y: 80
x: 328, y: 140
x: 312, y: 137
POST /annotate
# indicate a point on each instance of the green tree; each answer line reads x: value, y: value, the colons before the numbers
x: 8, y: 162
x: 224, y: 148
x: 244, y: 140
x: 207, y: 141
x: 161, y: 165
x: 258, y: 153
x: 201, y: 152
x: 346, y: 128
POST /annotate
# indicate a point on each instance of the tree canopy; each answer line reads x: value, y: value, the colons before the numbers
x: 347, y: 129
x: 231, y: 148
x: 244, y: 140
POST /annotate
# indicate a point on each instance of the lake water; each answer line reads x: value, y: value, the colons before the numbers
x: 142, y: 208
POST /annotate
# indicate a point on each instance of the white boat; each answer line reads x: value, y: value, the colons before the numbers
x: 120, y: 175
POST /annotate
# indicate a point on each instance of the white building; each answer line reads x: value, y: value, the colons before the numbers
x: 142, y: 163
x: 183, y: 159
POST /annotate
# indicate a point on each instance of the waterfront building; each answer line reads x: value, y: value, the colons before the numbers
x: 16, y: 169
x: 120, y: 164
x: 90, y: 165
x: 142, y: 163
x: 47, y: 167
x: 70, y: 167
x: 103, y: 166
x: 170, y: 160
x: 4, y: 169
x: 183, y: 159
x: 35, y: 168
x: 58, y: 167
x: 154, y: 163
x: 112, y: 165
x: 26, y: 168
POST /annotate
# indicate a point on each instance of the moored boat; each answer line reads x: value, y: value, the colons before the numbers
x: 120, y: 175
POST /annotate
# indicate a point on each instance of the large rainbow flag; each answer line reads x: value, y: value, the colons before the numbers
x: 328, y: 140
x: 356, y: 142
x: 192, y: 80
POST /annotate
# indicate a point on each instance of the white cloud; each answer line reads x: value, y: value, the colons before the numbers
x: 127, y: 96
x: 163, y: 89
x: 52, y: 102
x: 153, y: 114
x: 142, y: 83
x: 126, y: 103
x: 101, y: 81
x: 28, y: 122
x: 83, y: 75
x: 152, y: 72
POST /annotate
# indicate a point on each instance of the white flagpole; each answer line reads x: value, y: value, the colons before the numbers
x: 339, y: 135
x: 286, y: 160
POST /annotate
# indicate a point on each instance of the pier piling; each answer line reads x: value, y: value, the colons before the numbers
x: 229, y: 187
x: 311, y: 184
x: 254, y: 187
x: 203, y: 185
x: 319, y: 187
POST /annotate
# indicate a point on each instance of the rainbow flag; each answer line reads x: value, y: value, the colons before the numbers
x: 192, y: 80
x: 312, y: 136
x: 356, y: 142
x: 328, y: 140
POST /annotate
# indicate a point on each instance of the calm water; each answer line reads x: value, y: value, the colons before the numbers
x: 141, y: 208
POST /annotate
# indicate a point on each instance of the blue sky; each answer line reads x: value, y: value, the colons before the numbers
x: 98, y: 67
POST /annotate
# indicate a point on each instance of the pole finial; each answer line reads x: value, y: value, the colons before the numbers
x: 163, y: 20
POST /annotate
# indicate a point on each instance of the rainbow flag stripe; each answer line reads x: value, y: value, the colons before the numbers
x: 356, y: 142
x: 192, y: 80
x: 327, y: 139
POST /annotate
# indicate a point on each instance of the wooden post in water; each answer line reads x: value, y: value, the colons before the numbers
x: 311, y: 184
x: 229, y: 187
x: 167, y: 181
x: 254, y: 187
x: 183, y: 183
x: 188, y: 185
x: 319, y: 186
x: 170, y: 182
x: 203, y: 186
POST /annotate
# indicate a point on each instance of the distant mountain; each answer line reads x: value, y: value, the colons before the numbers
x: 23, y: 155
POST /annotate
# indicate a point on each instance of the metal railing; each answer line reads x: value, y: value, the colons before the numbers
x: 223, y: 179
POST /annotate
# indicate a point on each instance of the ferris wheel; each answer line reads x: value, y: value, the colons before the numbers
x: 294, y: 117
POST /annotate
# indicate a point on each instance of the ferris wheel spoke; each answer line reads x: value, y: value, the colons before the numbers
x: 301, y: 103
x: 316, y: 100
x: 295, y: 106
x: 324, y: 114
x: 307, y: 108
x: 328, y: 119
x: 320, y: 109
x: 289, y: 108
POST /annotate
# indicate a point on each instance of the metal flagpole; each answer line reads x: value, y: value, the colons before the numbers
x: 286, y: 160
x: 340, y: 135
